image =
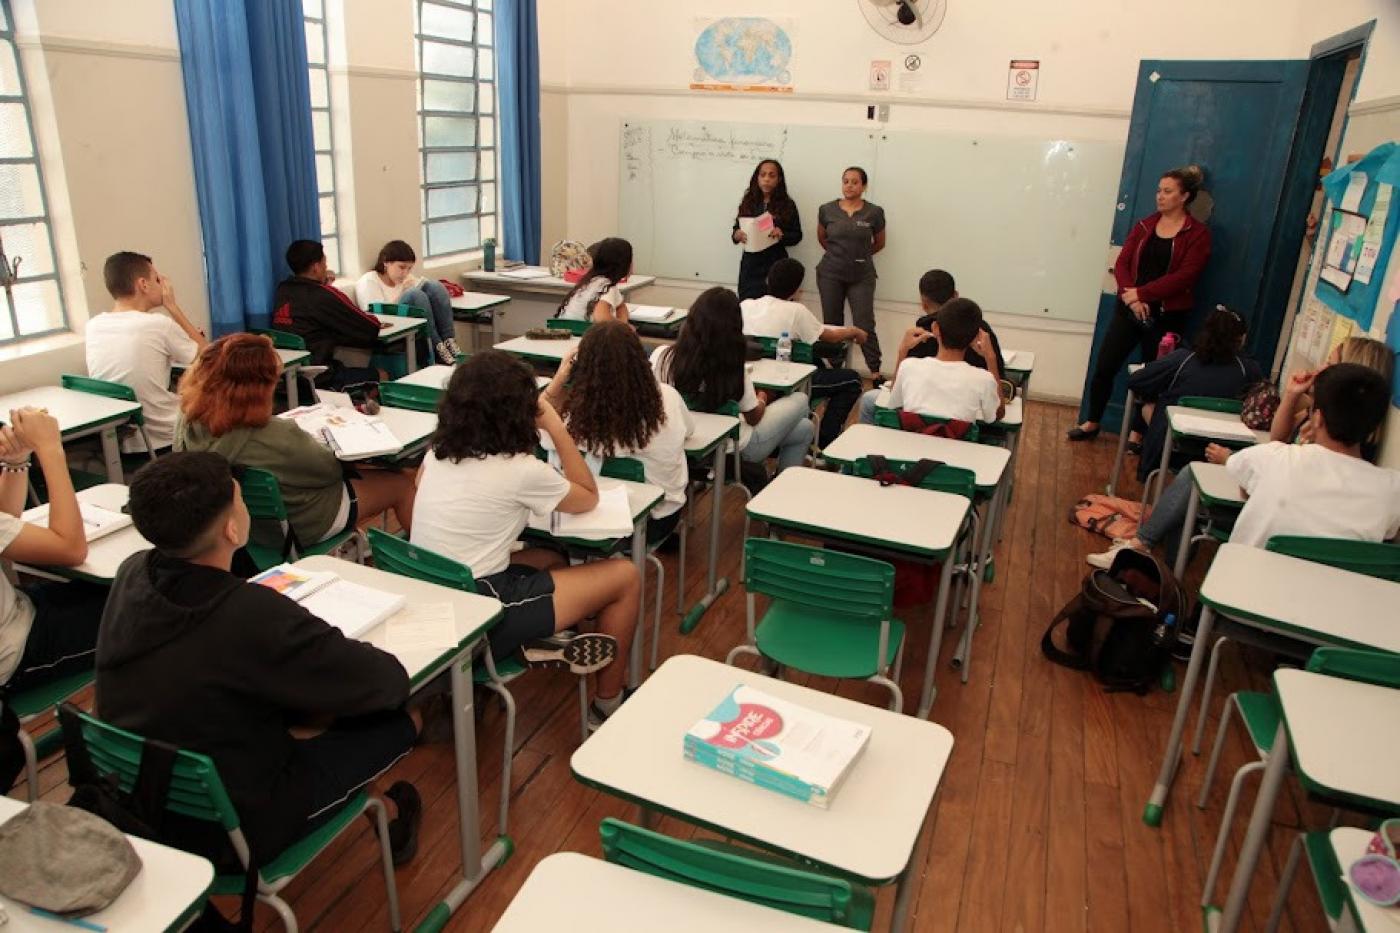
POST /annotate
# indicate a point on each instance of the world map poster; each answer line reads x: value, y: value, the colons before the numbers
x: 743, y: 53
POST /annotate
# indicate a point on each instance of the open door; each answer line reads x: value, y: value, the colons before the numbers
x: 1239, y: 122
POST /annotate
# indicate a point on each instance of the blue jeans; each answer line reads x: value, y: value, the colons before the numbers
x: 430, y: 296
x: 867, y: 406
x: 1163, y: 526
x: 786, y: 428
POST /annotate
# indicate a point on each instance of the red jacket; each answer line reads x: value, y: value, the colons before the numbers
x: 1190, y: 252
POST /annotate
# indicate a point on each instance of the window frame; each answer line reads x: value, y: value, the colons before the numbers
x: 334, y: 191
x: 7, y: 37
x: 482, y: 86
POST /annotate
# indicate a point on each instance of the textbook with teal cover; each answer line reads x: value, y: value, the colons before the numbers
x: 778, y: 745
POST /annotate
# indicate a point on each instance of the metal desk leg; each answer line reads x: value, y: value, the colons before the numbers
x: 1161, y: 483
x: 1193, y: 506
x: 112, y: 455
x: 290, y: 375
x: 936, y: 639
x: 984, y: 557
x: 714, y: 587
x: 495, y: 325
x: 1152, y: 815
x: 1129, y: 403
x: 410, y: 350
x: 1258, y: 831
x: 475, y: 864
x: 908, y: 880
x: 639, y: 560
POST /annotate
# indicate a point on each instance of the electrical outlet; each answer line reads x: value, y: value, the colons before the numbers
x: 882, y: 113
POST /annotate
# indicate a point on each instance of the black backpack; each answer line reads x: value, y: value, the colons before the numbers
x: 1117, y: 626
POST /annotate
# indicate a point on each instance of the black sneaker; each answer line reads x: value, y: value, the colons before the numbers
x: 403, y: 829
x: 579, y: 654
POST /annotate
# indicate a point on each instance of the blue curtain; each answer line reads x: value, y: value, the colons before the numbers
x: 518, y: 74
x: 249, y: 104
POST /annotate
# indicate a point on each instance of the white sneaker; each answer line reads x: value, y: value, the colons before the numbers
x: 1105, y: 560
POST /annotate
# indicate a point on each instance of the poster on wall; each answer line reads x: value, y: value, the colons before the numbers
x: 743, y: 53
x: 1360, y: 234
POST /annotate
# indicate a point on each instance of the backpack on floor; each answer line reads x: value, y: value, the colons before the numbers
x: 1117, y: 626
x: 1109, y: 516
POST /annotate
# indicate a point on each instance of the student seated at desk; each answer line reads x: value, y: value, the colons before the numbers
x: 47, y: 630
x: 1322, y: 489
x: 614, y: 407
x: 936, y: 289
x: 1291, y: 418
x: 308, y: 305
x: 596, y: 297
x: 226, y: 407
x: 781, y: 311
x: 194, y: 656
x: 479, y: 484
x: 706, y: 364
x: 392, y: 281
x: 946, y: 385
x: 134, y: 345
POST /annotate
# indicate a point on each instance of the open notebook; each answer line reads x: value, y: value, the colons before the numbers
x: 352, y: 434
x: 350, y: 607
x: 97, y: 521
x: 611, y: 518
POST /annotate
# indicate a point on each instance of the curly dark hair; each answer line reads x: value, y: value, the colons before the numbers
x: 489, y: 408
x: 614, y: 403
x: 706, y: 363
x: 780, y: 204
x: 1221, y: 336
x: 612, y: 261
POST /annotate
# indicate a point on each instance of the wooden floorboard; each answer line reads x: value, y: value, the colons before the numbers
x: 1037, y: 824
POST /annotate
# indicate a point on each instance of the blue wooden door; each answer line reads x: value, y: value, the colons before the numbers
x: 1236, y: 120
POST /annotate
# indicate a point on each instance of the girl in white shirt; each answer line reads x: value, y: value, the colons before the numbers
x: 392, y: 282
x: 478, y: 486
x: 614, y: 407
x: 597, y: 296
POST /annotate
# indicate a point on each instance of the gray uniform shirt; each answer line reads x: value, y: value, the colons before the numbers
x: 849, y: 239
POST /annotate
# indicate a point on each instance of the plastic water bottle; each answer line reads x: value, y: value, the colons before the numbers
x: 1163, y: 631
x: 784, y: 352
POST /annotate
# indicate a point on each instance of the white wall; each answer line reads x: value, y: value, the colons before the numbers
x: 1089, y: 52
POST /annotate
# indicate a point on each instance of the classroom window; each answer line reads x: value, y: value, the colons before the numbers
x: 317, y: 56
x: 31, y: 299
x: 456, y: 124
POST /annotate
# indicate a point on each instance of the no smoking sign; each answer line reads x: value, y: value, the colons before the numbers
x: 1022, y: 80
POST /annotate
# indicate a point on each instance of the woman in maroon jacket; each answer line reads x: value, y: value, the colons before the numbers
x: 1156, y: 271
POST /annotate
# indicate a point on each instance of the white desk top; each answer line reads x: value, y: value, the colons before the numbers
x: 1336, y: 732
x: 1215, y: 484
x: 987, y: 462
x: 770, y: 374
x: 641, y: 499
x: 473, y: 612
x: 74, y: 410
x: 169, y: 884
x: 539, y: 349
x: 901, y: 518
x: 1021, y: 361
x: 545, y: 283
x: 874, y: 819
x: 399, y: 326
x: 709, y: 430
x: 1348, y: 845
x: 672, y: 322
x: 1300, y: 597
x: 1174, y: 412
x: 412, y: 428
x: 479, y: 301
x: 105, y: 555
x: 570, y: 891
x: 432, y: 377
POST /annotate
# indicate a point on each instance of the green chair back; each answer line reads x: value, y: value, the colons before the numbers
x: 262, y: 495
x: 398, y: 310
x: 889, y: 418
x: 1371, y: 667
x: 1372, y: 558
x: 943, y: 478
x: 1231, y: 406
x: 114, y: 390
x: 801, y: 352
x: 411, y: 397
x: 861, y: 588
x: 395, y: 555
x: 627, y: 468
x: 283, y: 340
x: 577, y: 328
x: 729, y: 870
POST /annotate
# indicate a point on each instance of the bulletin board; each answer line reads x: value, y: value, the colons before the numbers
x: 1357, y: 234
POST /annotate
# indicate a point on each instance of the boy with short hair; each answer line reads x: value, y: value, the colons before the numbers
x: 781, y: 310
x: 946, y: 385
x: 309, y: 305
x: 237, y: 666
x: 134, y: 345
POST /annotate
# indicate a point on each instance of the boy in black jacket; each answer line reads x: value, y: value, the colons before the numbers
x: 192, y: 655
x: 307, y: 304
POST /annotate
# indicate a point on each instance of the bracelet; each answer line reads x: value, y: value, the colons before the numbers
x: 8, y: 467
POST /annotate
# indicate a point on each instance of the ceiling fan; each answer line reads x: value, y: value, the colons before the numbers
x: 906, y: 22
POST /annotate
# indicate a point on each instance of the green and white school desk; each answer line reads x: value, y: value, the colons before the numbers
x: 641, y: 499
x: 713, y: 437
x: 1287, y: 596
x: 474, y: 616
x: 79, y: 414
x: 1130, y: 405
x: 871, y: 829
x: 477, y: 308
x: 105, y: 555
x: 535, y: 300
x: 402, y: 330
x: 437, y: 376
x: 782, y: 378
x: 412, y: 428
x: 988, y: 464
x: 546, y: 352
x: 660, y: 331
x: 166, y: 894
x: 1335, y: 733
x: 292, y: 361
x: 1212, y: 487
x: 571, y: 891
x: 1017, y: 366
x: 1231, y: 432
x: 880, y: 521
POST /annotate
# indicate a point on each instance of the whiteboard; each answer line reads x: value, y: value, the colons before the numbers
x: 1023, y: 224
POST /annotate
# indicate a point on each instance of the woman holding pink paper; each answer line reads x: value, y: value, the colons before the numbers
x: 766, y: 216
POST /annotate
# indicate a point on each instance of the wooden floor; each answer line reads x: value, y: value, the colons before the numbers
x: 1037, y: 824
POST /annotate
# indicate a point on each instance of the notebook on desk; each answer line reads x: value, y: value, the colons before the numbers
x: 350, y: 607
x: 610, y: 518
x: 1202, y: 426
x: 650, y: 314
x: 97, y: 521
x: 350, y: 433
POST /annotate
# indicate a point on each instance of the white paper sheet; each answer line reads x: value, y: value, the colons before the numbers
x: 1356, y: 188
x: 421, y: 625
x: 1201, y: 426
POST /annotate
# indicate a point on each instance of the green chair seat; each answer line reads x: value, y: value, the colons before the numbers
x: 300, y: 853
x: 507, y: 669
x: 36, y: 700
x: 1261, y: 716
x: 824, y: 643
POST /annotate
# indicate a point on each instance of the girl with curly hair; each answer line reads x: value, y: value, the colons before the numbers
x: 479, y: 484
x: 614, y: 407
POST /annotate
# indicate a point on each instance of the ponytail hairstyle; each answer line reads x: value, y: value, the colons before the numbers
x: 1189, y: 178
x: 1221, y: 336
x: 612, y: 260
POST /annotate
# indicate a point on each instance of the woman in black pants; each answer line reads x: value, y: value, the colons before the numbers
x: 851, y: 230
x: 1156, y: 271
x: 767, y: 194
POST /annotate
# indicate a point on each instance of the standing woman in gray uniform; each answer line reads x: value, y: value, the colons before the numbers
x: 851, y: 230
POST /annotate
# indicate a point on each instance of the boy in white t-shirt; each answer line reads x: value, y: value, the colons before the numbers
x: 946, y: 385
x: 781, y: 311
x: 137, y: 347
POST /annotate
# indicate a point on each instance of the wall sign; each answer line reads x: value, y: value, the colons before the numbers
x: 1022, y: 79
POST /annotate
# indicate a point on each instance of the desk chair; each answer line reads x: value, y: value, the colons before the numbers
x: 393, y: 363
x: 28, y: 706
x: 889, y: 418
x: 747, y: 874
x: 197, y: 792
x: 632, y: 470
x: 263, y: 497
x: 1232, y: 406
x: 410, y: 397
x: 121, y: 392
